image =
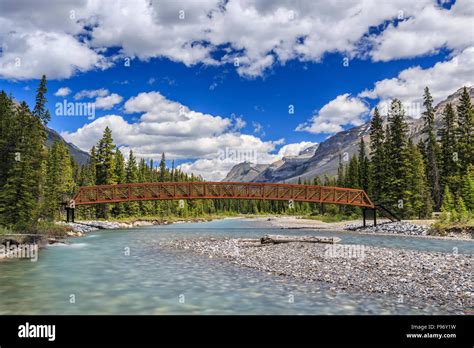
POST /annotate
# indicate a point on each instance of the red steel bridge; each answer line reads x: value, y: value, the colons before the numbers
x: 101, y: 194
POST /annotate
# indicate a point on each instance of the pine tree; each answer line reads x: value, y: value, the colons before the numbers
x: 364, y: 174
x: 163, y: 176
x: 467, y: 188
x: 465, y: 131
x: 121, y: 178
x: 352, y: 173
x: 397, y: 154
x: 431, y: 149
x: 462, y: 213
x: 59, y: 183
x: 105, y: 167
x: 7, y: 136
x: 20, y: 194
x: 449, y: 156
x: 40, y: 111
x: 377, y: 163
x: 448, y: 200
x: 417, y: 193
x: 132, y: 177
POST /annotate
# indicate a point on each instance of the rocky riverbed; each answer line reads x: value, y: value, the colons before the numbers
x: 413, y: 277
x: 82, y: 227
x: 397, y: 227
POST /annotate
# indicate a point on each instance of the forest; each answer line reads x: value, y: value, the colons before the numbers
x: 436, y: 174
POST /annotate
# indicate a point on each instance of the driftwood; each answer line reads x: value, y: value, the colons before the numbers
x: 277, y: 239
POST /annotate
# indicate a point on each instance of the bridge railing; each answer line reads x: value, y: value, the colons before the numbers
x: 220, y: 190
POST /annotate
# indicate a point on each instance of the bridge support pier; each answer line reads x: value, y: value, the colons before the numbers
x: 363, y: 217
x: 375, y: 216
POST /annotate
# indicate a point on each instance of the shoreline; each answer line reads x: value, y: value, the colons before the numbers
x: 295, y: 222
x: 280, y: 221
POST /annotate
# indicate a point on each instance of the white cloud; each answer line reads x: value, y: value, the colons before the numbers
x: 428, y: 31
x: 62, y: 92
x: 443, y: 79
x: 46, y: 37
x: 294, y: 149
x: 57, y: 55
x: 342, y: 111
x: 108, y: 102
x: 170, y: 127
x: 91, y: 93
x: 216, y: 168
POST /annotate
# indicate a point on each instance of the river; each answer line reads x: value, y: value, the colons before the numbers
x: 126, y: 272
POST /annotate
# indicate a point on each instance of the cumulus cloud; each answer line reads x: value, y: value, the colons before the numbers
x: 108, y: 102
x: 443, y: 79
x: 216, y: 168
x: 428, y: 31
x: 339, y: 112
x: 60, y: 38
x: 91, y: 93
x: 168, y: 126
x: 62, y: 92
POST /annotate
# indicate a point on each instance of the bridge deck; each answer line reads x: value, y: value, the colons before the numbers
x: 220, y: 190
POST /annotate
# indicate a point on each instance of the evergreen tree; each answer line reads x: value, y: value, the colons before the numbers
x: 418, y: 195
x: 132, y: 177
x: 163, y: 176
x: 462, y: 213
x: 398, y: 157
x: 352, y: 173
x: 364, y: 174
x: 8, y: 123
x: 20, y: 194
x: 448, y: 200
x: 465, y: 131
x: 121, y: 178
x: 40, y: 111
x: 449, y: 156
x: 467, y: 188
x: 105, y: 167
x: 377, y: 164
x: 59, y: 183
x: 431, y: 149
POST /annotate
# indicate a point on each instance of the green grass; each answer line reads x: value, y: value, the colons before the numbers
x: 442, y: 228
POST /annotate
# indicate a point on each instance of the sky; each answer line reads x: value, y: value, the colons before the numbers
x: 212, y: 83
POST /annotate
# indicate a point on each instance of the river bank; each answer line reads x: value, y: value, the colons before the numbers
x: 415, y: 277
x: 79, y: 228
x: 410, y: 228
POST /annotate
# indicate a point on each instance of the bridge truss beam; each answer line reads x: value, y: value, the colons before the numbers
x: 88, y: 195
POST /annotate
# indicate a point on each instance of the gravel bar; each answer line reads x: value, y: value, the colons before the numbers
x: 442, y: 279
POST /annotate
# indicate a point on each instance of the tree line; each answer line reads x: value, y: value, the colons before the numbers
x: 412, y: 179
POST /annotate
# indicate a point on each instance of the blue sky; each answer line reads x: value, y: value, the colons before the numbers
x: 223, y: 106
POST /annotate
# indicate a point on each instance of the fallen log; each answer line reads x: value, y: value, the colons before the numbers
x: 277, y: 239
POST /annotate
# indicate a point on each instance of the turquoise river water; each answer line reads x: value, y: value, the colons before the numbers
x: 93, y: 275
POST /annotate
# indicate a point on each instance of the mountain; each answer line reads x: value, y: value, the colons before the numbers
x: 79, y: 156
x: 325, y: 158
x: 245, y: 172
